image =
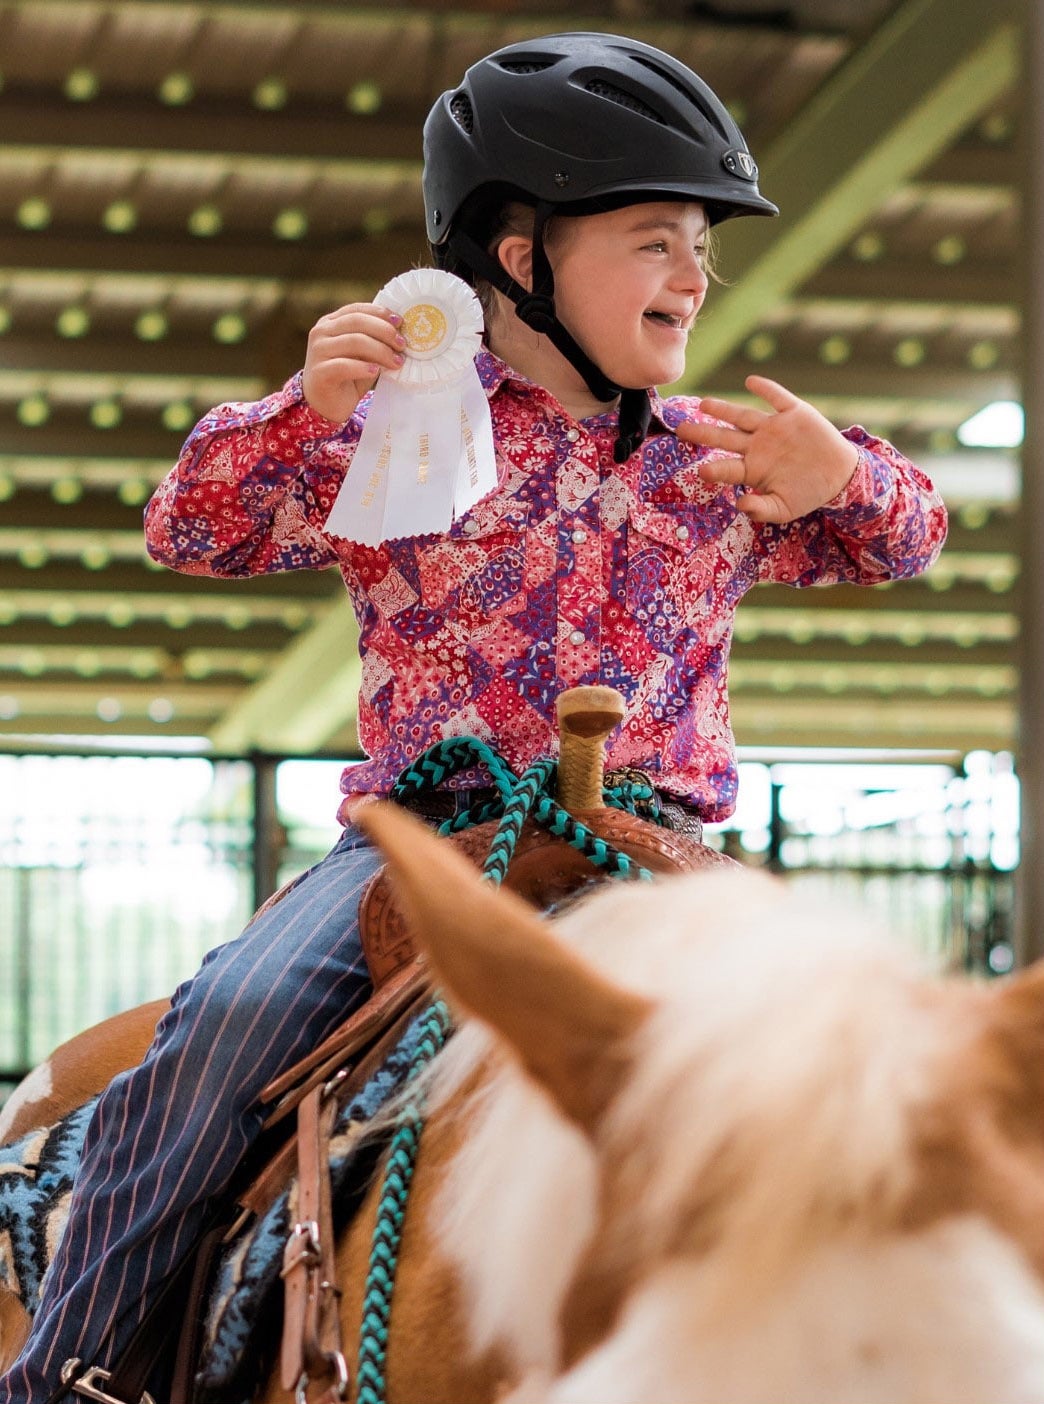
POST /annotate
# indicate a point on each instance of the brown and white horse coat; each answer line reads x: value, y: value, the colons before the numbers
x: 757, y: 1154
x: 707, y: 1142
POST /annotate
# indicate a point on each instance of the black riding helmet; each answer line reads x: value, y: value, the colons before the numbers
x: 573, y: 124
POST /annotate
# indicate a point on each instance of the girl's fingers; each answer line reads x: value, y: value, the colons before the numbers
x: 363, y: 309
x: 762, y: 507
x: 718, y: 436
x: 739, y: 416
x: 774, y: 394
x: 724, y: 470
x: 336, y: 330
x: 355, y: 347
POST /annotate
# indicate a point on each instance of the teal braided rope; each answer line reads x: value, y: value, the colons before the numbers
x: 524, y: 799
x: 520, y: 798
x: 602, y: 854
x: 391, y: 1210
x: 449, y: 757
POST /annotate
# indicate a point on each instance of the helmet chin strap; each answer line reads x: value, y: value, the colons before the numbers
x: 536, y: 309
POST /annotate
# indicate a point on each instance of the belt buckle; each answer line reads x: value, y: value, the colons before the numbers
x: 86, y: 1385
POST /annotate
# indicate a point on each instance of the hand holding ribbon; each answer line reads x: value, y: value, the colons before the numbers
x: 426, y: 452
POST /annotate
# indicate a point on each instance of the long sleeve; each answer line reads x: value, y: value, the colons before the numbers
x: 252, y: 488
x: 889, y: 523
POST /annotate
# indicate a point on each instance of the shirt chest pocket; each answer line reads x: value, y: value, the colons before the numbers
x: 667, y: 569
x: 487, y: 548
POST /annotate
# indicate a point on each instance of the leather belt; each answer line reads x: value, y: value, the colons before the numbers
x: 437, y: 806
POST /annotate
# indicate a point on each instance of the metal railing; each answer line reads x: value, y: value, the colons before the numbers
x: 118, y: 872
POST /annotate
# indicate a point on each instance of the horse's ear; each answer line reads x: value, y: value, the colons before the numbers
x: 492, y: 955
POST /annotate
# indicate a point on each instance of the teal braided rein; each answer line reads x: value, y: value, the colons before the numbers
x: 384, y: 1252
x: 521, y: 797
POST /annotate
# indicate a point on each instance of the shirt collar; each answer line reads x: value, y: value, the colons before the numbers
x: 494, y: 373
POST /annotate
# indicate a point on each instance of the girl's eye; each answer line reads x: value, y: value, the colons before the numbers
x: 660, y: 245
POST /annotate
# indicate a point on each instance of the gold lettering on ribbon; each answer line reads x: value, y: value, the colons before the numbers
x: 424, y: 457
x: 469, y: 446
x: 379, y: 470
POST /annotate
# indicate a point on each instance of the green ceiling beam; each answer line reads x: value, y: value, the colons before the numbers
x: 309, y: 695
x: 915, y: 84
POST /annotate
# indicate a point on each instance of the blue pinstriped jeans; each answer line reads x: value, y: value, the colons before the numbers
x: 168, y: 1135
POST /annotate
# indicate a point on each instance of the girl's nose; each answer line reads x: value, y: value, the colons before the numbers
x: 690, y: 274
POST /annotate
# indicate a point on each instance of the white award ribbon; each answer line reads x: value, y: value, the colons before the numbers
x: 426, y: 451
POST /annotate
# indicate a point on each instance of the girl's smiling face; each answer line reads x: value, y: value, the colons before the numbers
x: 628, y: 285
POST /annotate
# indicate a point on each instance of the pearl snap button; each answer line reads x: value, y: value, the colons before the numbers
x: 579, y: 535
x: 470, y: 527
x: 682, y: 533
x: 572, y: 435
x: 577, y: 636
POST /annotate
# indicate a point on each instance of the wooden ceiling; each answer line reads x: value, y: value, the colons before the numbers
x: 184, y: 187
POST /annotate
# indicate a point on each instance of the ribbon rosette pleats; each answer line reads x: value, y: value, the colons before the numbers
x: 426, y: 451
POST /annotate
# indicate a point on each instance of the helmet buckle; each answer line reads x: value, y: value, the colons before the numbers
x: 537, y: 311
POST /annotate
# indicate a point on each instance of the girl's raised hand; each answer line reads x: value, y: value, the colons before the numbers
x: 347, y: 350
x: 790, y: 456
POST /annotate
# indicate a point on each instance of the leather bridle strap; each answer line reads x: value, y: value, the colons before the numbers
x: 312, y: 1348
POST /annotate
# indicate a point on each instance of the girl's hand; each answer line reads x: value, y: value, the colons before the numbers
x: 347, y: 350
x: 791, y: 457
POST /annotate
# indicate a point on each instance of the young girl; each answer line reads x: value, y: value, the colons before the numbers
x: 574, y: 182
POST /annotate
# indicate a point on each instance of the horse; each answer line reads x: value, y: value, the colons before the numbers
x: 703, y: 1141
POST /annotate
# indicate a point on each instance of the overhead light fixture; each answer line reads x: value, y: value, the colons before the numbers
x: 176, y: 89
x: 34, y: 213
x: 151, y: 325
x: 229, y: 328
x: 762, y: 346
x: 132, y: 492
x: 33, y: 410
x: 66, y: 490
x: 290, y: 224
x: 364, y: 99
x: 120, y: 216
x: 270, y: 94
x: 82, y: 85
x: 178, y: 415
x: 106, y: 414
x: 1000, y: 424
x: 73, y: 322
x: 205, y: 221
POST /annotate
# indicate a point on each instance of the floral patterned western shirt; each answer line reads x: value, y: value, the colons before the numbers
x: 574, y: 570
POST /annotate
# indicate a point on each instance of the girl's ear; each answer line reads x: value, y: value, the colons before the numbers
x: 515, y: 255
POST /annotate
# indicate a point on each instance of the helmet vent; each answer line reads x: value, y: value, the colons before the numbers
x: 462, y: 112
x: 691, y: 95
x: 525, y: 65
x: 624, y: 99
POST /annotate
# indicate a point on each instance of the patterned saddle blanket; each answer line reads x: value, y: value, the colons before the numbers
x: 36, y: 1175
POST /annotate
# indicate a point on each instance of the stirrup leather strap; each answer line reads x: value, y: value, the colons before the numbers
x: 312, y: 1348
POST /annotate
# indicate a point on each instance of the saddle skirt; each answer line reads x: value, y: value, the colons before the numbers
x: 244, y: 1300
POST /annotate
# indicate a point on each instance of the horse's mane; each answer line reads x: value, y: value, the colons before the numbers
x: 769, y: 1107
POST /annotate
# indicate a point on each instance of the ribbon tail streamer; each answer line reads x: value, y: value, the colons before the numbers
x: 358, y: 510
x: 477, y: 464
x: 422, y: 469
